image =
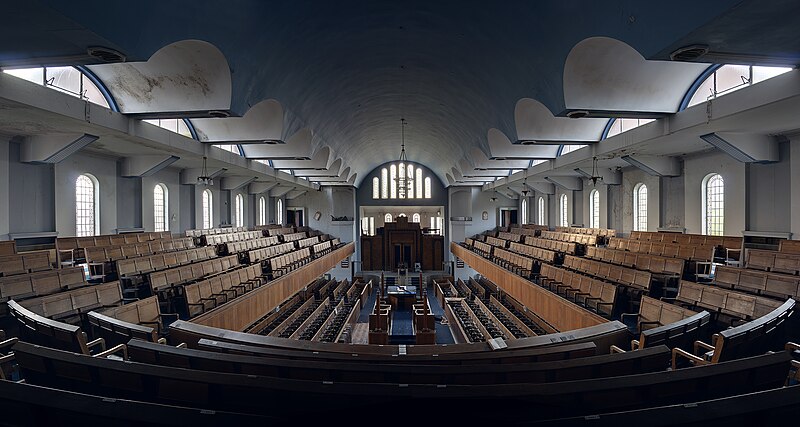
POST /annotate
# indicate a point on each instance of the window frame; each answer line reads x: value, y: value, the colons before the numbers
x: 709, y: 184
x: 164, y: 214
x: 541, y: 213
x: 239, y: 210
x: 594, y: 209
x: 563, y: 209
x: 279, y: 212
x: 207, y: 207
x: 262, y: 210
x: 81, y: 229
x: 640, y: 207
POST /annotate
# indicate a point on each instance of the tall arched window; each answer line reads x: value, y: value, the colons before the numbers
x: 410, y: 181
x: 384, y: 183
x: 208, y: 209
x: 640, y: 207
x: 239, y: 210
x: 594, y: 206
x: 428, y: 187
x: 419, y: 183
x: 563, y: 221
x: 524, y: 219
x: 393, y: 181
x: 415, y: 218
x: 160, y: 208
x: 713, y: 205
x: 279, y: 211
x: 87, y: 218
x: 262, y: 211
x: 541, y: 211
x: 376, y: 188
x: 387, y: 218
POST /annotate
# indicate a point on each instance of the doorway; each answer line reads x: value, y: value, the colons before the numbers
x: 294, y: 216
x: 508, y: 216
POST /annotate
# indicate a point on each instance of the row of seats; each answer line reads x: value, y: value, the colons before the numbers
x: 66, y: 243
x: 291, y: 237
x: 553, y: 245
x: 249, y: 245
x: 263, y: 254
x: 141, y: 319
x: 8, y: 247
x: 24, y: 263
x: 727, y: 242
x: 471, y: 331
x: 163, y: 279
x: 518, y: 264
x: 147, y: 264
x: 280, y: 231
x: 622, y: 275
x: 41, y: 283
x: 488, y: 321
x: 654, y: 313
x: 540, y: 254
x: 221, y: 288
x: 652, y: 263
x: 213, y: 231
x: 70, y: 303
x: 513, y: 237
x: 725, y: 301
x: 592, y: 293
x: 584, y: 239
x: 100, y: 254
x: 779, y: 262
x: 527, y: 230
x: 758, y: 282
x: 309, y: 241
x: 282, y: 264
x: 239, y: 236
x: 604, y: 232
x: 685, y: 251
x: 789, y: 246
x: 494, y: 241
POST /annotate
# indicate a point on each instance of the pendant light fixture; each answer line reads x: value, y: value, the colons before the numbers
x: 204, y: 179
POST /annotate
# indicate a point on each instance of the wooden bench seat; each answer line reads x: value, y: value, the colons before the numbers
x: 758, y: 282
x: 41, y: 283
x: 773, y: 261
x: 77, y: 301
x: 141, y: 319
x: 729, y: 302
x: 758, y: 336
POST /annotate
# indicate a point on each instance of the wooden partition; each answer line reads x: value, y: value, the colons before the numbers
x: 563, y: 314
x: 238, y: 314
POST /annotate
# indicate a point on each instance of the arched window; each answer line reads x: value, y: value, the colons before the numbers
x: 730, y: 78
x: 541, y: 211
x: 176, y: 125
x: 376, y: 188
x: 67, y: 80
x: 87, y: 218
x: 563, y: 221
x: 623, y: 125
x: 262, y: 211
x: 415, y: 218
x: 401, y: 178
x: 594, y: 206
x: 160, y: 208
x: 713, y: 205
x: 233, y: 148
x: 279, y: 211
x: 640, y: 207
x: 387, y: 218
x: 428, y: 187
x: 419, y: 183
x: 410, y: 181
x: 239, y: 210
x: 393, y: 181
x: 570, y: 148
x: 208, y: 209
x: 524, y: 219
x: 384, y: 183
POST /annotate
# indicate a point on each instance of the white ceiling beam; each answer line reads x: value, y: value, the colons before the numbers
x: 279, y: 191
x: 607, y: 176
x: 260, y: 187
x: 295, y: 194
x: 655, y: 165
x: 189, y: 176
x: 745, y: 147
x: 236, y: 182
x: 140, y: 166
x: 53, y: 148
x: 543, y: 187
x: 566, y: 182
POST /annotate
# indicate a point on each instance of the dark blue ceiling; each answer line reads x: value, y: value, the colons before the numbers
x: 349, y: 70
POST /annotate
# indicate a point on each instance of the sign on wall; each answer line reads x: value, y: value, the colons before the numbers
x: 459, y: 263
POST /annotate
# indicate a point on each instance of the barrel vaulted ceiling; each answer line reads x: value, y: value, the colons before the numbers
x: 344, y: 73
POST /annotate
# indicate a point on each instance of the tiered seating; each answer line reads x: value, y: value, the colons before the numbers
x: 553, y: 245
x: 263, y: 254
x: 282, y: 264
x: 149, y: 263
x: 74, y: 302
x: 163, y: 279
x: 309, y: 241
x: 41, y: 283
x: 652, y: 263
x: 662, y: 323
x: 70, y: 250
x: 291, y: 237
x: 528, y: 229
x: 621, y: 275
x: 213, y: 231
x: 323, y: 248
x: 469, y: 328
x: 221, y: 288
x: 758, y: 282
x: 774, y: 261
x: 717, y: 300
x: 37, y: 329
x: 140, y: 320
x: 279, y: 231
x: 512, y: 237
x: 24, y: 263
x: 685, y: 251
x: 604, y: 232
x: 518, y: 264
x: 543, y: 255
x: 594, y: 294
x: 767, y: 331
x: 239, y: 236
x: 584, y: 239
x: 107, y: 254
x: 248, y: 245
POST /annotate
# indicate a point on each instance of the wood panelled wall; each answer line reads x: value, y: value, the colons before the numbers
x: 563, y: 314
x: 241, y: 312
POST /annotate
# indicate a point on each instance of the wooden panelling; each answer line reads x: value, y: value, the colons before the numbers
x: 559, y: 312
x: 241, y: 312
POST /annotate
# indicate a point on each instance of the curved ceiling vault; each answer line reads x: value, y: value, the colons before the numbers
x: 350, y: 72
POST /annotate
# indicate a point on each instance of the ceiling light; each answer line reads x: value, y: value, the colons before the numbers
x: 204, y: 179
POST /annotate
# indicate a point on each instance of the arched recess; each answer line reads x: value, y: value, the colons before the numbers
x: 262, y: 122
x: 602, y: 74
x: 188, y: 77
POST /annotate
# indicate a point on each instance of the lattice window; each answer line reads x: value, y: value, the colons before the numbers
x: 239, y: 210
x: 640, y: 207
x: 387, y: 218
x: 541, y: 211
x: 384, y: 183
x: 419, y: 183
x: 262, y: 211
x: 86, y: 215
x: 714, y: 205
x: 594, y: 205
x: 208, y: 213
x: 564, y: 222
x: 160, y: 213
x: 415, y: 218
x: 524, y: 211
x: 376, y: 188
x: 428, y: 187
x: 279, y: 211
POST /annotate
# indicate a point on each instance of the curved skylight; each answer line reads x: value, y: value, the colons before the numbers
x: 173, y: 125
x: 69, y: 80
x: 730, y: 78
x: 570, y: 148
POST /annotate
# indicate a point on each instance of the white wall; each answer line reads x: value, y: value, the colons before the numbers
x: 171, y: 179
x: 104, y: 169
x: 695, y: 169
x: 630, y: 178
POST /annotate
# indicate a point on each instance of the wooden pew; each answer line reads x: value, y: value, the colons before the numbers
x: 141, y: 320
x: 75, y: 302
x: 41, y: 283
x: 40, y: 330
x: 288, y: 397
x: 755, y: 337
x: 8, y: 248
x: 729, y: 302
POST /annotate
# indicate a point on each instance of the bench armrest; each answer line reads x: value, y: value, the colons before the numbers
x: 635, y: 344
x: 790, y: 346
x: 680, y: 352
x: 698, y: 344
x: 98, y: 342
x: 113, y: 350
x: 8, y: 343
x: 615, y: 349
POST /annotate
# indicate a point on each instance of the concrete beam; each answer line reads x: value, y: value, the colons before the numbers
x: 279, y: 191
x: 655, y: 165
x: 53, y: 148
x: 295, y: 194
x: 745, y: 147
x: 608, y: 176
x: 139, y: 166
x: 189, y: 176
x: 260, y: 187
x: 566, y: 182
x: 543, y: 187
x: 236, y: 182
